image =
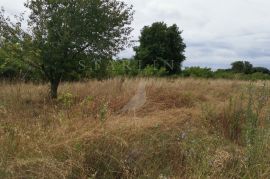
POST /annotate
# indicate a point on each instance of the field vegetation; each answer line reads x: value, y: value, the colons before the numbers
x: 70, y: 109
x: 187, y: 128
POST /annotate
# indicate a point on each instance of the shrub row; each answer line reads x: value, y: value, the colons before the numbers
x: 131, y: 68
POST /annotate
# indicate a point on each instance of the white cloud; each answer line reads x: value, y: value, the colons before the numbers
x: 13, y: 6
x: 216, y: 32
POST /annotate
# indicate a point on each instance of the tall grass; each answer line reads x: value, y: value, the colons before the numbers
x: 83, y: 135
x: 245, y: 122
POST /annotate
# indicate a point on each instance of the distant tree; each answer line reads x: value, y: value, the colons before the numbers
x: 161, y: 46
x: 198, y: 72
x: 242, y: 67
x: 63, y: 32
x: 261, y: 70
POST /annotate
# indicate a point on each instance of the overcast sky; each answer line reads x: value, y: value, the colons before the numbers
x: 217, y: 32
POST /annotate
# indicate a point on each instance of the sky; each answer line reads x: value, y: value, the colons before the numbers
x: 216, y: 32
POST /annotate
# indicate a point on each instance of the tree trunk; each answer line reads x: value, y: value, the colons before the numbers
x: 54, y: 89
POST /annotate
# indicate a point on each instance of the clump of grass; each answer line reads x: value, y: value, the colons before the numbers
x: 103, y: 111
x: 83, y: 136
x: 66, y: 99
x: 168, y: 97
x: 245, y: 122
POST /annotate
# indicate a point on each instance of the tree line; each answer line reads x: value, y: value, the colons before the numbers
x: 69, y: 40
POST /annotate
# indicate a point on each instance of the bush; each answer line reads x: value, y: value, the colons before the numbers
x: 261, y: 70
x: 198, y: 72
x: 152, y: 71
x: 260, y: 76
x: 242, y: 67
x: 125, y: 67
x: 66, y: 99
x: 226, y: 74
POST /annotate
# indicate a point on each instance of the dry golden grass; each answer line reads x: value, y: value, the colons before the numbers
x: 83, y: 135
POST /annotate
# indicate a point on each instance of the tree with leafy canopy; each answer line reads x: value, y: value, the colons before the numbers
x: 242, y: 67
x: 61, y: 33
x: 261, y: 70
x: 161, y: 46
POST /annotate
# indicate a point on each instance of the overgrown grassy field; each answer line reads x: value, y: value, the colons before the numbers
x: 186, y: 129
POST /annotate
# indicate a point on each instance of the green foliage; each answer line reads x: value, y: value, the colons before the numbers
x: 124, y: 67
x: 66, y: 99
x: 131, y: 68
x: 242, y: 67
x: 261, y: 70
x: 224, y: 74
x: 257, y: 73
x: 63, y: 32
x: 103, y: 112
x: 13, y: 69
x: 161, y: 46
x: 152, y: 71
x: 198, y: 72
x: 259, y: 76
x: 98, y: 69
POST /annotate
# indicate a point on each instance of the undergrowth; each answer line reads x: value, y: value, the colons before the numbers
x: 186, y: 129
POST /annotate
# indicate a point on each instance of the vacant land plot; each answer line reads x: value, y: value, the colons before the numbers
x: 136, y: 128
